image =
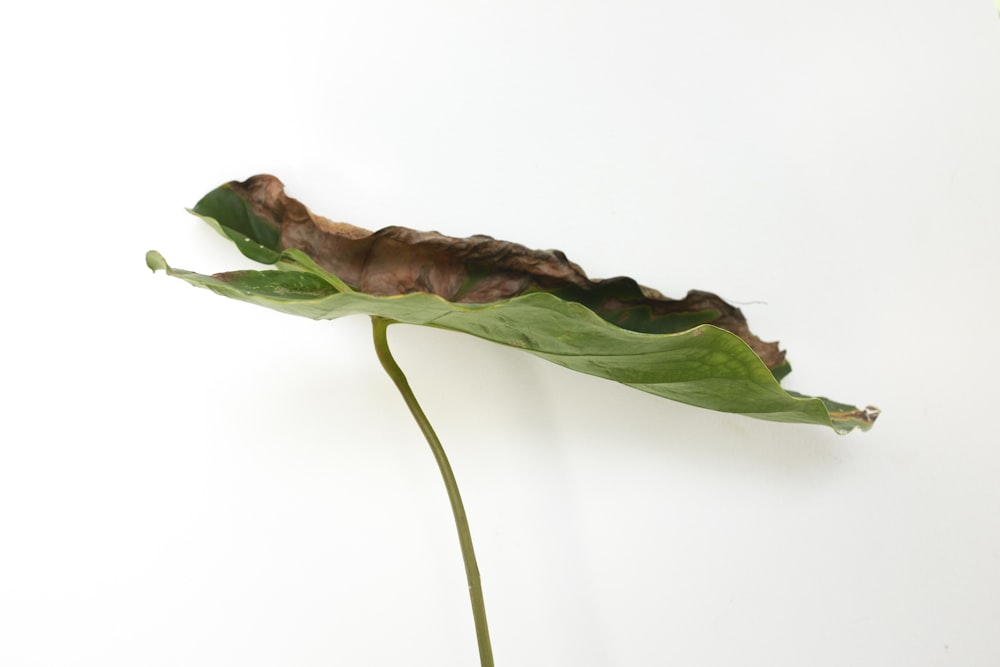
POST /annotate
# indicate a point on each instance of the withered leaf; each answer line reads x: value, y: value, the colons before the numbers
x: 697, y: 350
x: 477, y: 269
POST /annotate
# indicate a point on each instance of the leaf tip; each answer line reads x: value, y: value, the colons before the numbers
x: 155, y: 261
x: 847, y: 421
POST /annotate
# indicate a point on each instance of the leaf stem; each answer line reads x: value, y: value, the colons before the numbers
x: 379, y: 327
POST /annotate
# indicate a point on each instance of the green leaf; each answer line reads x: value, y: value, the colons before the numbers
x: 233, y: 217
x: 702, y: 365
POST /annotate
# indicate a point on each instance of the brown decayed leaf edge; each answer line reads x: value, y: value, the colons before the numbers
x: 478, y: 269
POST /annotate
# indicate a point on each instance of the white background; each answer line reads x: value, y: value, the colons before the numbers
x: 186, y: 480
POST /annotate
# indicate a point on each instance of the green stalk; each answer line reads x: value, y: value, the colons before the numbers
x: 379, y: 327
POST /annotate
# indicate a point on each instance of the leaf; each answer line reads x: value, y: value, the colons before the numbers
x: 697, y: 350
